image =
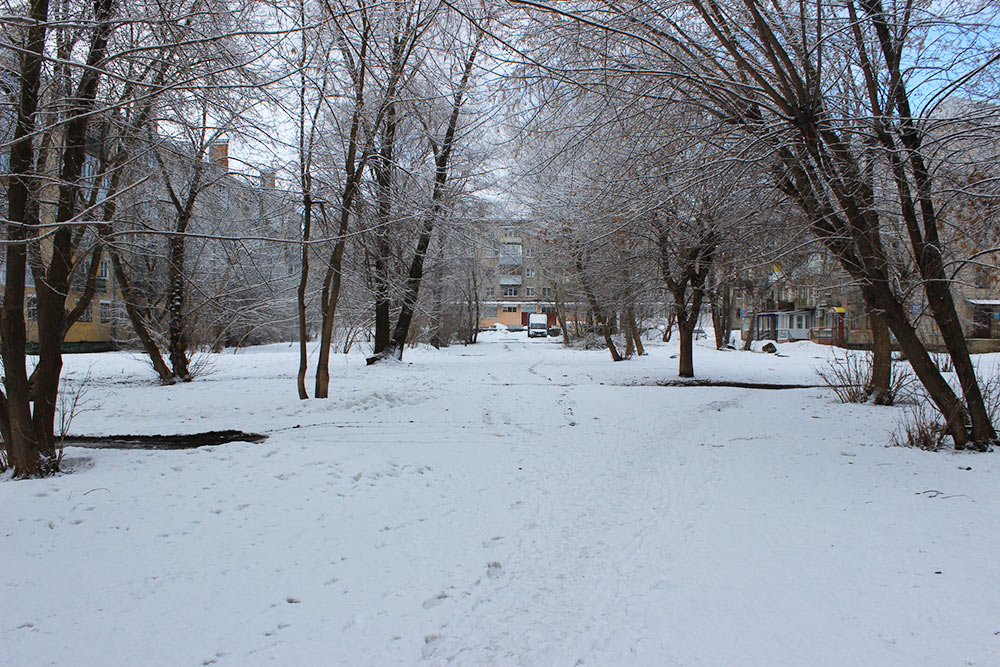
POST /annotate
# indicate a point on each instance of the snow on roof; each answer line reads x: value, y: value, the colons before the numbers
x: 985, y: 302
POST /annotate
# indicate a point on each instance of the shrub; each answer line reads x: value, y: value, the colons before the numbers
x: 920, y: 426
x: 850, y: 375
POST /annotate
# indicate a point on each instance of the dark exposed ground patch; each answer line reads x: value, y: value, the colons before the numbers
x: 180, y: 441
x: 725, y: 383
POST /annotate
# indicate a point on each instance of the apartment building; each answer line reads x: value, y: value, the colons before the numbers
x: 515, y: 275
x: 819, y: 303
x: 232, y: 278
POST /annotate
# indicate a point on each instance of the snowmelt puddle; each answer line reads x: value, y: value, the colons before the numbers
x: 178, y: 441
x: 726, y: 383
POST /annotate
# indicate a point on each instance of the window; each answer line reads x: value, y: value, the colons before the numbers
x: 509, y: 309
x: 853, y: 319
x: 105, y: 308
x: 31, y: 307
x: 89, y: 168
x: 547, y: 292
x: 488, y: 293
x: 529, y: 252
x: 510, y: 291
x: 529, y: 291
x: 87, y: 315
x: 104, y: 275
x: 529, y: 273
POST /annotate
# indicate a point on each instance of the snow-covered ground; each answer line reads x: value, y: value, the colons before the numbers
x: 508, y: 503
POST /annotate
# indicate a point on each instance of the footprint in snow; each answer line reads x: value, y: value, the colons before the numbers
x: 430, y: 645
x: 436, y: 600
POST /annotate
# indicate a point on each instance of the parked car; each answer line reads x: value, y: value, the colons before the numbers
x: 538, y: 325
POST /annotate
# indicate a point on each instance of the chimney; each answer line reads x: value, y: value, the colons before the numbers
x: 268, y: 178
x: 219, y: 154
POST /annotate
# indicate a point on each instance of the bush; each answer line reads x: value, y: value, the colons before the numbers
x: 590, y: 341
x: 920, y: 426
x: 850, y: 376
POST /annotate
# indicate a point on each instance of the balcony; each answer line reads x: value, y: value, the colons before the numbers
x: 778, y: 306
x: 510, y: 260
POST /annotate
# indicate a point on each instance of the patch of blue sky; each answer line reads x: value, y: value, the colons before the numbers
x: 953, y: 52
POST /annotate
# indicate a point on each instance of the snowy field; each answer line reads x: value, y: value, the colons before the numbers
x: 508, y: 503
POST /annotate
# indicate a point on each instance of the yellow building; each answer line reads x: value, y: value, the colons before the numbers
x: 97, y: 328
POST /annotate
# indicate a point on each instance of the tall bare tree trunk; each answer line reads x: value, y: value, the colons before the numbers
x: 924, y: 238
x: 668, y: 330
x: 300, y: 380
x: 177, y: 339
x: 23, y: 448
x: 442, y: 159
x: 629, y: 340
x: 879, y: 386
x: 383, y: 168
x: 722, y: 315
x: 27, y: 411
x: 632, y: 329
x: 138, y: 322
x: 561, y: 316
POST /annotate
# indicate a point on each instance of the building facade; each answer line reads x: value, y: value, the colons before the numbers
x: 516, y: 279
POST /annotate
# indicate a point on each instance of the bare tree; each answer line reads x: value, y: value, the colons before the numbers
x: 442, y: 147
x: 824, y: 95
x: 27, y: 410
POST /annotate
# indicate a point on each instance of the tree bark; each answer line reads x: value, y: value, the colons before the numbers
x: 561, y: 316
x: 23, y: 449
x: 879, y: 387
x: 177, y: 339
x: 629, y: 340
x: 636, y: 336
x: 722, y: 315
x: 383, y: 168
x: 138, y: 322
x: 685, y: 335
x: 668, y: 330
x: 300, y: 301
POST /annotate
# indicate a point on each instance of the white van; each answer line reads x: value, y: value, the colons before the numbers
x: 538, y: 325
